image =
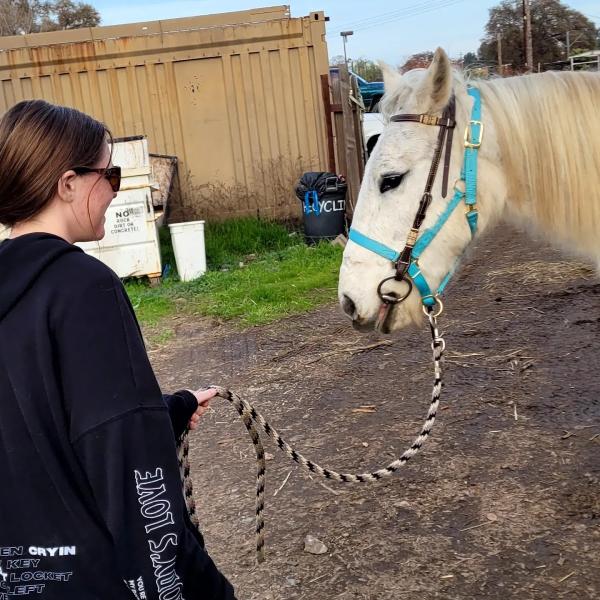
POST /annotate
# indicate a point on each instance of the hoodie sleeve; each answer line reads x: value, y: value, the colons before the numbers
x: 181, y: 405
x: 122, y: 433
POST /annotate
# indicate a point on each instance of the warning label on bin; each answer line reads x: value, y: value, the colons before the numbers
x: 125, y: 224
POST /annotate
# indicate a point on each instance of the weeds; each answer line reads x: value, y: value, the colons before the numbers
x: 280, y: 276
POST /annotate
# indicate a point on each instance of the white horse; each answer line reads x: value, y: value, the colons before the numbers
x: 539, y: 162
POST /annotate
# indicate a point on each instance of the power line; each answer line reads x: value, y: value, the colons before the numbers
x: 403, y: 14
x: 390, y: 14
x: 385, y: 18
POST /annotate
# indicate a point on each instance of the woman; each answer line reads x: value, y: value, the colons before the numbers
x: 92, y: 505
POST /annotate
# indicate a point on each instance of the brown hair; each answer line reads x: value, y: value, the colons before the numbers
x: 39, y: 141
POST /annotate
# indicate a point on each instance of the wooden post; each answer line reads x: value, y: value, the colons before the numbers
x: 338, y: 120
x: 358, y: 109
x: 527, y: 40
x: 351, y: 149
x: 499, y: 39
x: 349, y: 145
x: 329, y: 117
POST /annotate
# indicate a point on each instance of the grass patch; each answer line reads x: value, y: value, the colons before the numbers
x: 228, y: 243
x: 151, y: 304
x: 280, y: 283
x: 291, y: 281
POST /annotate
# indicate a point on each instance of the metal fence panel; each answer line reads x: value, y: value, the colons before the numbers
x: 236, y: 97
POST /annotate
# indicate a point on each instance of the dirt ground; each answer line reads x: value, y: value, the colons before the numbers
x: 503, y: 501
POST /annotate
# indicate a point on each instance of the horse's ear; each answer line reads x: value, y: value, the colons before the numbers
x: 435, y: 91
x: 391, y: 77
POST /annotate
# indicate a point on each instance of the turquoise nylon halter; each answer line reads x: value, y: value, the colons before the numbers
x: 468, y: 175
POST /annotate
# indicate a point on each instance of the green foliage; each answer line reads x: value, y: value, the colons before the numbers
x: 233, y: 241
x: 291, y: 281
x: 67, y: 14
x: 32, y: 16
x: 470, y: 58
x: 367, y: 69
x: 281, y: 283
x: 550, y: 22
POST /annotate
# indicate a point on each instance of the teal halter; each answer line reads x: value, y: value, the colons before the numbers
x: 468, y: 175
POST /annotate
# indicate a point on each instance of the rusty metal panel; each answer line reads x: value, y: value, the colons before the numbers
x: 240, y: 105
x: 144, y: 28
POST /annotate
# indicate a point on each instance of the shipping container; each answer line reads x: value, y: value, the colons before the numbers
x: 236, y: 97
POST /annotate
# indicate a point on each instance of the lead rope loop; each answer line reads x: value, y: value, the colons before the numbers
x: 251, y: 417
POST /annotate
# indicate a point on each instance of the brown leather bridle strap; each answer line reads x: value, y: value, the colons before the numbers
x: 425, y: 119
x: 446, y: 123
x: 450, y: 134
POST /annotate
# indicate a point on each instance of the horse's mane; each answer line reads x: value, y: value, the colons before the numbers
x: 547, y: 127
x: 548, y: 130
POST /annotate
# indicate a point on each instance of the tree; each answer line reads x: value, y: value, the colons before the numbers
x: 17, y: 16
x: 421, y: 60
x: 470, y: 58
x: 73, y: 15
x: 334, y: 61
x: 363, y: 67
x: 32, y: 16
x: 367, y: 69
x: 553, y: 25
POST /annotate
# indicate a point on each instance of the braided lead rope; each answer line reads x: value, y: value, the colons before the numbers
x: 250, y: 416
x: 183, y: 450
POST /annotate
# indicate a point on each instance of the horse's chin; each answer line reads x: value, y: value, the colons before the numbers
x: 363, y: 326
x: 399, y: 317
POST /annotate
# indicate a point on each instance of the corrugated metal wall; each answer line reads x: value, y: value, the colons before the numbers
x: 236, y: 97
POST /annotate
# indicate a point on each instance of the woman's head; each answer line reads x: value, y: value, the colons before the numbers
x: 43, y: 148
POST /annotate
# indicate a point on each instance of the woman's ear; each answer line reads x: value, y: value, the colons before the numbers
x: 66, y: 188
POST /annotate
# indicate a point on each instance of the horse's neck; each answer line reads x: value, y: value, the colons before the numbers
x: 534, y: 165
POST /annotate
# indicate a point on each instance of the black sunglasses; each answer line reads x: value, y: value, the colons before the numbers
x: 111, y: 174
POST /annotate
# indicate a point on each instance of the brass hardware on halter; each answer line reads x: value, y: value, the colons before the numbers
x: 469, y: 143
x: 412, y: 237
x: 428, y: 119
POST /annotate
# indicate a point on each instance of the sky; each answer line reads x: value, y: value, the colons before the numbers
x: 383, y: 29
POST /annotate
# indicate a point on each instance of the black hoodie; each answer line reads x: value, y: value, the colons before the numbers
x: 91, y: 506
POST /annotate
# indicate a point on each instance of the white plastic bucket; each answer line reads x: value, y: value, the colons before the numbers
x: 188, y: 246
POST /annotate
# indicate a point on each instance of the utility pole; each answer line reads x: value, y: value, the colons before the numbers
x: 568, y: 44
x: 345, y: 35
x: 527, y: 40
x: 499, y: 39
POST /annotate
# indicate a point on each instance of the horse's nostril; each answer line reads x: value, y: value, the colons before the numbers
x: 348, y: 306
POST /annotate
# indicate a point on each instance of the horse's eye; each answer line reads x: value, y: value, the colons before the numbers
x: 390, y: 181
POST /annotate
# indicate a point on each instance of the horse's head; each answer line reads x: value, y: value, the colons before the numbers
x: 391, y: 192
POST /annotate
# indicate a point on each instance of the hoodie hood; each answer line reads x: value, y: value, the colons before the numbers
x: 22, y: 260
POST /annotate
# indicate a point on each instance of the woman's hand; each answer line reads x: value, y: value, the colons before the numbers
x: 204, y: 396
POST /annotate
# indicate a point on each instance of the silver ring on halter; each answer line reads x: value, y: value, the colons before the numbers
x: 460, y: 182
x: 431, y: 311
x: 392, y: 297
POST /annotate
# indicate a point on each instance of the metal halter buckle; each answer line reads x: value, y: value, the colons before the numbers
x: 469, y: 143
